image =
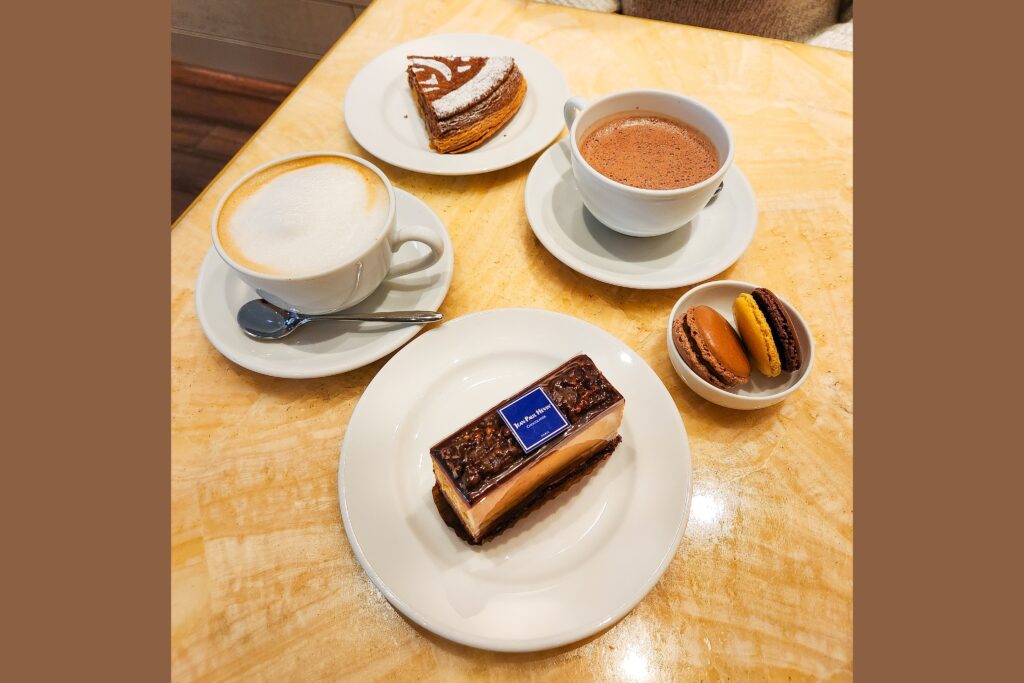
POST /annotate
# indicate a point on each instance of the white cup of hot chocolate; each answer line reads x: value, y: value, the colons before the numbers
x: 315, y: 232
x: 663, y: 154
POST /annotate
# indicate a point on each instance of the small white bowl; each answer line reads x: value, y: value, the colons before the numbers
x: 760, y: 391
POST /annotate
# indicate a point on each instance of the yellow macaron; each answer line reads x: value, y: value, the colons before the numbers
x: 757, y: 335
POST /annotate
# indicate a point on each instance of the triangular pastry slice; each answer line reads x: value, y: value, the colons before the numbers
x: 464, y: 100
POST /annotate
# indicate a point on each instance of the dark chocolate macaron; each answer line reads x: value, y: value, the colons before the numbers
x: 711, y: 348
x: 783, y: 330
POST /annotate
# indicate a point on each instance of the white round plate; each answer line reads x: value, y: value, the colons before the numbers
x: 322, y: 349
x: 381, y: 113
x: 697, y: 251
x: 570, y: 568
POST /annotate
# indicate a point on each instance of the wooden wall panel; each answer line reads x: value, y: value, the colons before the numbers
x: 276, y: 40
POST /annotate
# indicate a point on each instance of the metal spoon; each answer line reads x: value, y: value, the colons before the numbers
x: 264, y: 321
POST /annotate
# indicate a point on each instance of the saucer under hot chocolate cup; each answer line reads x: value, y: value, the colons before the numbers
x: 635, y: 211
x: 354, y: 276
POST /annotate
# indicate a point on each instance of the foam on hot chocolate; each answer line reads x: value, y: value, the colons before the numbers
x: 304, y: 216
x: 649, y: 151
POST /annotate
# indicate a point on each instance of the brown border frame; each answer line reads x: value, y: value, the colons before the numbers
x: 87, y: 422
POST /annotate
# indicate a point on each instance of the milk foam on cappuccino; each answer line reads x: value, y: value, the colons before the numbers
x: 304, y: 216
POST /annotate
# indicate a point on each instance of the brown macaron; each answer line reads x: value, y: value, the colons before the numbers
x: 783, y: 330
x: 711, y: 348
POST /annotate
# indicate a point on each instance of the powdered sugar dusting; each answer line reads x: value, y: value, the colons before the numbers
x: 482, y: 84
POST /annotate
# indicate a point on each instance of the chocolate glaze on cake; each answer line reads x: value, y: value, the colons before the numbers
x: 484, y: 453
x: 454, y: 84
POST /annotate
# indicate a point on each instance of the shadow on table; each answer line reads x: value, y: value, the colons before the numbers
x: 720, y: 415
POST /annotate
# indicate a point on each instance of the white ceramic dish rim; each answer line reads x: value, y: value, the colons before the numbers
x: 539, y: 644
x: 595, y: 273
x: 274, y: 369
x: 728, y: 395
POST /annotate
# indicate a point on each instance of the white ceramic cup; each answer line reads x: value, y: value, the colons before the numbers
x: 631, y: 210
x: 355, y: 276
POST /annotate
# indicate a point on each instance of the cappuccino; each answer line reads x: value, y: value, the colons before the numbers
x: 649, y: 151
x: 304, y: 216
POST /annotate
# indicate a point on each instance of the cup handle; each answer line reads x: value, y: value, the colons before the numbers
x: 572, y: 106
x: 416, y: 233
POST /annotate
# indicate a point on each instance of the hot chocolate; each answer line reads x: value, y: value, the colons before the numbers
x: 649, y: 151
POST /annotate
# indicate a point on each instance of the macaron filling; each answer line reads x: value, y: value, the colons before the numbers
x: 783, y: 331
x: 711, y: 348
x: 688, y: 352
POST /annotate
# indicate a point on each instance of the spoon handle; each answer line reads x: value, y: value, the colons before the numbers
x: 390, y: 316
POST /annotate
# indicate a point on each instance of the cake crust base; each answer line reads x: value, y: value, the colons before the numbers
x: 484, y: 129
x: 535, y: 500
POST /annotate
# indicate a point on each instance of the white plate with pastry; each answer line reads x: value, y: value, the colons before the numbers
x: 497, y: 99
x: 578, y: 561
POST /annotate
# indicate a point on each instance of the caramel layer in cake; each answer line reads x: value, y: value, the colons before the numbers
x: 485, y: 475
x: 464, y: 100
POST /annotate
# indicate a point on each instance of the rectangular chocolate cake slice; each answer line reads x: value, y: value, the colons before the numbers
x: 500, y: 465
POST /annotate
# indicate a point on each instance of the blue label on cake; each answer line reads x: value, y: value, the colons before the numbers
x: 533, y: 419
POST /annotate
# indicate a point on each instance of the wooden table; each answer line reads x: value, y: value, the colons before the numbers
x: 264, y: 585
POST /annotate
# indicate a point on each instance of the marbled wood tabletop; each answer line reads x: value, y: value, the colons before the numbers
x: 264, y: 584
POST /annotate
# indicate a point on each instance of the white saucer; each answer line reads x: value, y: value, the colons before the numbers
x: 327, y: 348
x: 705, y: 247
x: 572, y: 567
x: 381, y: 113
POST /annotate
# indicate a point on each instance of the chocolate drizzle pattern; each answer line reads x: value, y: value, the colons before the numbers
x: 454, y: 84
x: 484, y: 452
